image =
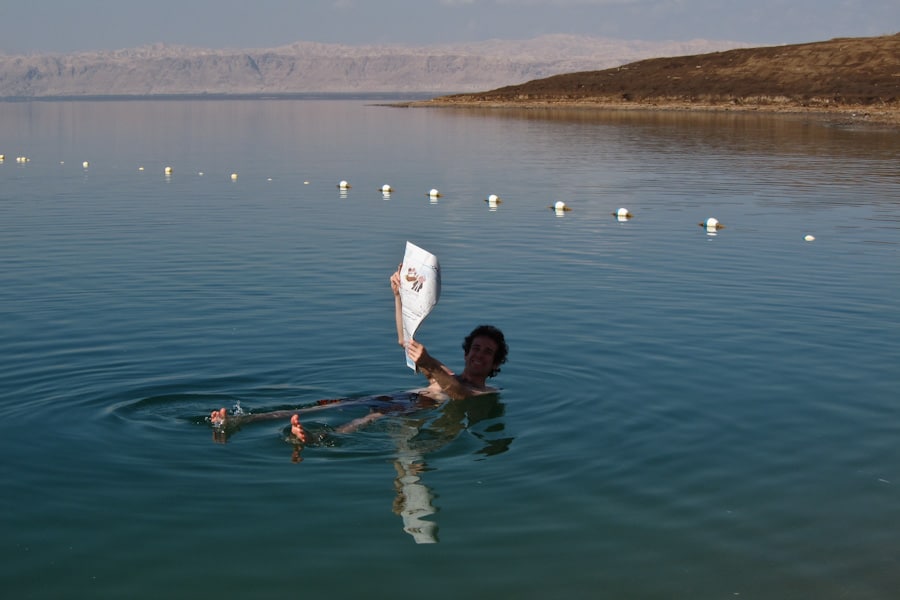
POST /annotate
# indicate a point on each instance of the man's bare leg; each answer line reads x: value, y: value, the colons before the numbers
x: 359, y: 423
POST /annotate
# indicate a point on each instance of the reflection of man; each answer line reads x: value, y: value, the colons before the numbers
x: 413, y: 503
x: 416, y: 438
x: 414, y: 499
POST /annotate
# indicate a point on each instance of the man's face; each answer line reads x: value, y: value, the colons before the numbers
x: 480, y: 359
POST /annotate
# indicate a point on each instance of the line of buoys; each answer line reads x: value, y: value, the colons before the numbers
x: 712, y: 225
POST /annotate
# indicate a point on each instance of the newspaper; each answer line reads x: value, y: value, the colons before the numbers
x: 420, y: 289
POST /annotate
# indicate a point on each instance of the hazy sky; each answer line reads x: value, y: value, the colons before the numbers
x: 28, y: 26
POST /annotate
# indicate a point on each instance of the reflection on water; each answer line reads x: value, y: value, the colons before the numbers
x: 415, y: 439
x: 740, y: 132
x: 414, y: 500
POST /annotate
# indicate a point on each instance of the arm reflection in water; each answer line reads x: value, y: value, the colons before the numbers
x: 414, y: 500
x: 415, y: 438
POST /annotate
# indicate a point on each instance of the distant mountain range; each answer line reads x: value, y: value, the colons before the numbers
x: 306, y: 67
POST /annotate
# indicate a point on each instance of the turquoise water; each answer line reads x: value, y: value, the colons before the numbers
x: 683, y: 415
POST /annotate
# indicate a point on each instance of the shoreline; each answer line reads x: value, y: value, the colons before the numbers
x: 885, y: 116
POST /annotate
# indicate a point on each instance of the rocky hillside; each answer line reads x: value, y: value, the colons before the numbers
x: 840, y: 72
x: 306, y: 67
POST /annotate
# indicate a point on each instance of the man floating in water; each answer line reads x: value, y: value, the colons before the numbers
x: 484, y: 350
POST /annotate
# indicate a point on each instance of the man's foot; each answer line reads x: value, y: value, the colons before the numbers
x: 297, y: 429
x: 218, y: 417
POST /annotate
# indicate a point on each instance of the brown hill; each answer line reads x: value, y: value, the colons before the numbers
x: 840, y: 74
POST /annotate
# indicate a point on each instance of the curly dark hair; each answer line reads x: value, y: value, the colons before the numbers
x: 489, y: 331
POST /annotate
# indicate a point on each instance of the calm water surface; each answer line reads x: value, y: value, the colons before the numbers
x: 683, y: 414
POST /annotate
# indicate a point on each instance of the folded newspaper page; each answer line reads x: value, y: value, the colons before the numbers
x: 420, y: 289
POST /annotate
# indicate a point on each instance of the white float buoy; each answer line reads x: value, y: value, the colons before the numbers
x: 711, y: 224
x: 560, y: 206
x: 809, y: 238
x: 168, y: 170
x: 344, y: 185
x: 85, y: 164
x: 2, y: 157
x: 493, y: 200
x: 305, y: 183
x: 140, y: 168
x: 387, y: 189
x: 623, y: 213
x: 234, y: 176
x: 433, y: 193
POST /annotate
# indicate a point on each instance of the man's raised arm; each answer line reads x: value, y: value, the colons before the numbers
x: 435, y: 370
